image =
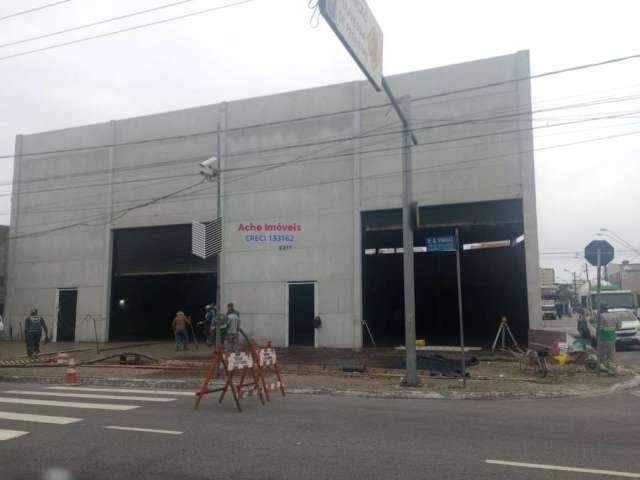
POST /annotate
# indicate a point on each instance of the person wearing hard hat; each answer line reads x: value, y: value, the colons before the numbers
x: 33, y: 326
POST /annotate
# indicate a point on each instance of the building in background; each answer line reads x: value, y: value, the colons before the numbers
x: 627, y: 276
x: 312, y: 220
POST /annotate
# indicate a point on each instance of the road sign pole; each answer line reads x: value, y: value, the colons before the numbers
x: 598, y: 317
x: 411, y: 377
x: 458, y: 248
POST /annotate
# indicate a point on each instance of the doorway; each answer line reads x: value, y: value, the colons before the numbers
x: 301, y: 312
x: 67, y: 306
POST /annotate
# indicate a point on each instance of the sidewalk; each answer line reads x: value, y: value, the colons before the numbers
x: 319, y: 371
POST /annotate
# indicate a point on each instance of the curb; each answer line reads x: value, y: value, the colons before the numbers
x: 405, y: 394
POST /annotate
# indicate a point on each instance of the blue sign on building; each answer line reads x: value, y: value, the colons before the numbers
x: 444, y: 243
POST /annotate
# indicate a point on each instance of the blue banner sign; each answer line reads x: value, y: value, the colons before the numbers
x: 445, y: 243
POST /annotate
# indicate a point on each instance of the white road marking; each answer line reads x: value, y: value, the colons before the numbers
x: 91, y: 395
x: 174, y: 393
x: 558, y: 468
x: 9, y: 434
x: 27, y: 417
x: 147, y: 430
x: 53, y: 403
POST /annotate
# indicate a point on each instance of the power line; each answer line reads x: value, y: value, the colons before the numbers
x: 332, y: 140
x: 307, y: 158
x: 533, y: 77
x: 94, y: 24
x: 118, y: 215
x: 42, y: 7
x: 341, y: 180
x: 37, y: 211
x: 128, y: 29
x: 309, y: 117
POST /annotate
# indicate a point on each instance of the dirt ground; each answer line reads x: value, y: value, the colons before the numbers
x: 321, y: 370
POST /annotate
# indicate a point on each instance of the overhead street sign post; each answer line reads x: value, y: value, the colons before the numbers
x: 356, y: 27
x: 358, y: 30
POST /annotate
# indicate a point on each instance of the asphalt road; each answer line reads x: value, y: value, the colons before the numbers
x: 314, y: 437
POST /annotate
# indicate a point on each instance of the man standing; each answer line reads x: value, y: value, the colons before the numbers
x: 210, y: 323
x: 232, y: 321
x: 179, y: 324
x: 33, y: 326
x: 609, y: 324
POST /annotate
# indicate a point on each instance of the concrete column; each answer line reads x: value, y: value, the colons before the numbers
x: 357, y: 219
x: 12, y: 316
x: 527, y: 175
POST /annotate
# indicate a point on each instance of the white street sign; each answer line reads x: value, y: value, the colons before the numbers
x: 357, y: 29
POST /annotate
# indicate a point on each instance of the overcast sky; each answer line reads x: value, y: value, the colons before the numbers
x: 268, y: 46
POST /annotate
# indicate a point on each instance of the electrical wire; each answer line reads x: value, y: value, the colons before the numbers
x: 365, y: 135
x: 118, y: 215
x: 123, y: 30
x: 316, y: 116
x: 342, y: 155
x: 335, y: 181
x: 94, y: 24
x: 42, y: 7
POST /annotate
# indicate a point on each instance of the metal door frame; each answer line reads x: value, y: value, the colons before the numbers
x: 315, y: 309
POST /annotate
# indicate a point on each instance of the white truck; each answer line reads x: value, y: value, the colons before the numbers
x: 618, y: 301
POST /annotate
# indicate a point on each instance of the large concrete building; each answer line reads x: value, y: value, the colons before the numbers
x: 311, y: 201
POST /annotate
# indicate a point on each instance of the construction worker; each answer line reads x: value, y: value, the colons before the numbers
x: 609, y: 323
x: 209, y: 324
x: 232, y: 324
x: 179, y: 324
x: 33, y: 326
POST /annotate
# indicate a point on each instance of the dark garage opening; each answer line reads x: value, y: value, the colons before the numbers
x: 493, y: 280
x: 155, y: 275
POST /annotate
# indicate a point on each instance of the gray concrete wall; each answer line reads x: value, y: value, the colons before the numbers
x: 276, y: 171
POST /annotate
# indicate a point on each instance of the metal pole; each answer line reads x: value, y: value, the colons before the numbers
x: 411, y: 377
x: 95, y: 331
x: 464, y: 374
x: 598, y: 318
x: 219, y: 256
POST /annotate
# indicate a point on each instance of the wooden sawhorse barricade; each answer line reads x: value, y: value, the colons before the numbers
x: 249, y: 362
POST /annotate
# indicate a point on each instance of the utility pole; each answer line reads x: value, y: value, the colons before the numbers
x: 575, y: 288
x: 411, y: 377
x: 586, y: 272
x: 219, y: 256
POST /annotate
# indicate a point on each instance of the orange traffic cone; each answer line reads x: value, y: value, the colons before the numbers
x: 71, y: 376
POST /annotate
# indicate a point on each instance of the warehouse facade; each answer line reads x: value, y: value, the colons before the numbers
x: 101, y: 214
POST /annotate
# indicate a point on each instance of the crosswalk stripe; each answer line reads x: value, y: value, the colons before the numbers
x: 27, y: 417
x: 54, y: 403
x: 9, y: 434
x: 127, y: 390
x: 146, y: 430
x: 90, y: 395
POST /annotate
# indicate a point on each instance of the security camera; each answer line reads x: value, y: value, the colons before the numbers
x: 210, y: 164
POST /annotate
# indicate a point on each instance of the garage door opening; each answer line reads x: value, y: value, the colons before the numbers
x: 154, y: 276
x: 493, y: 280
